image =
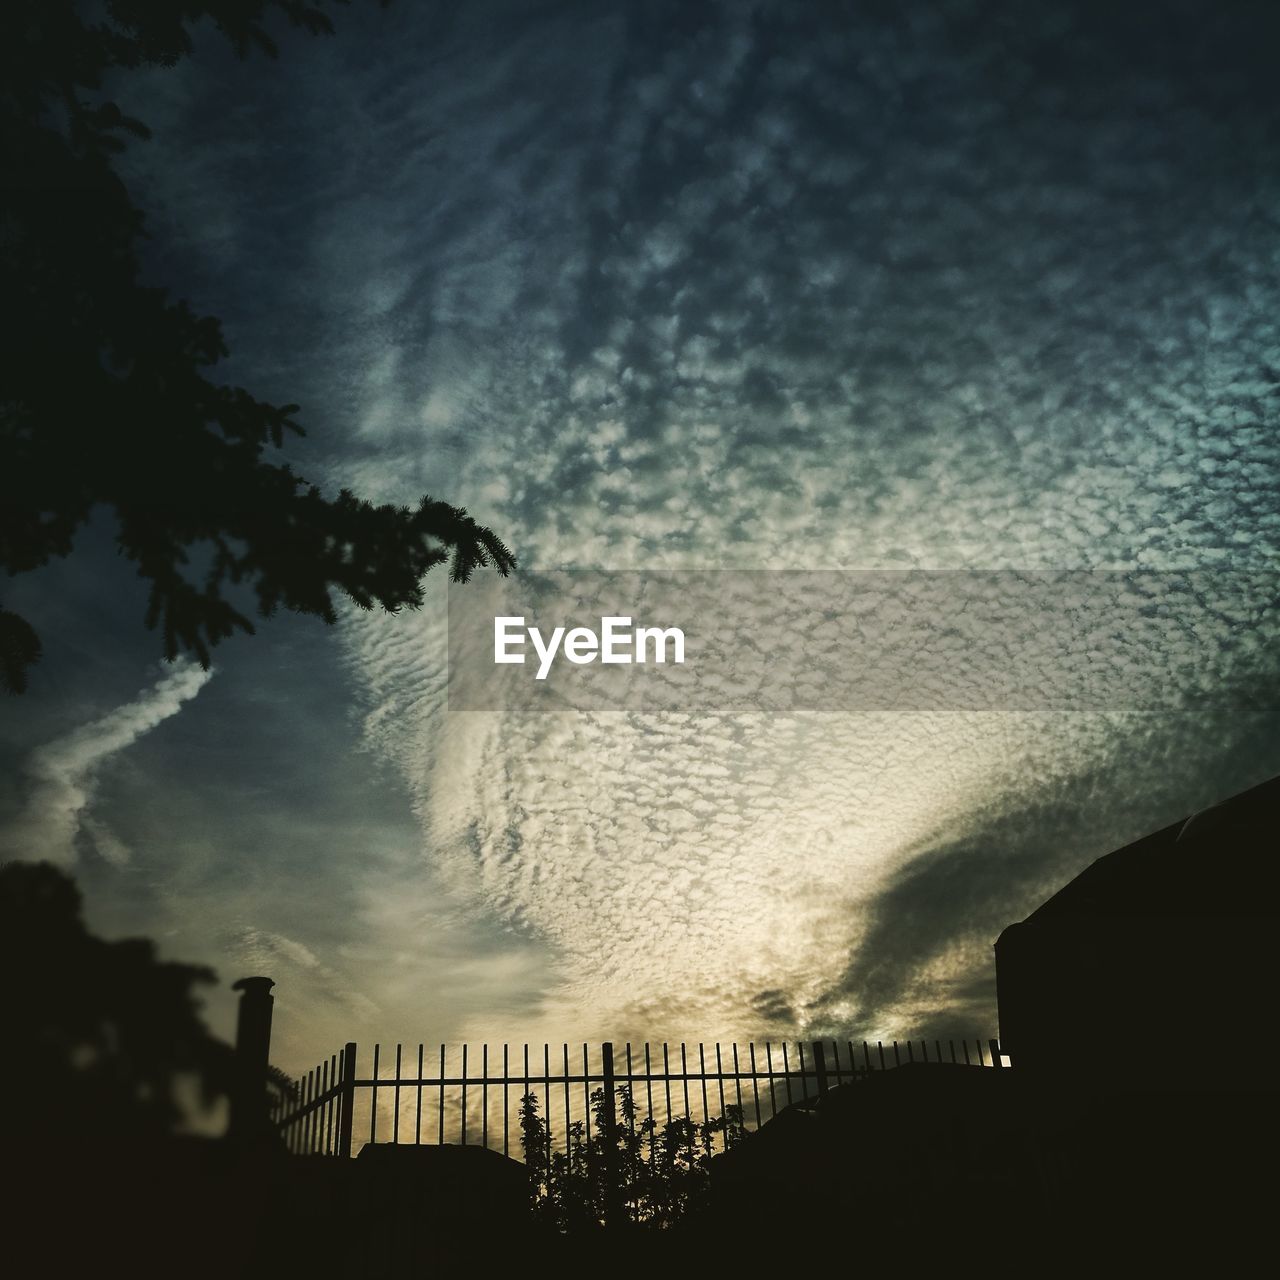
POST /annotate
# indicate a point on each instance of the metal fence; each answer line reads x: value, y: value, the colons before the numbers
x: 331, y: 1105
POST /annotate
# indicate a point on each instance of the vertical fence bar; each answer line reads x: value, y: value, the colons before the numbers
x: 897, y: 1061
x: 301, y: 1124
x: 321, y: 1116
x: 335, y: 1076
x: 613, y: 1210
x: 464, y: 1095
x: 313, y: 1126
x: 666, y: 1075
x: 911, y: 1057
x: 994, y: 1046
x: 313, y: 1089
x: 631, y: 1094
x: 633, y: 1206
x: 373, y: 1110
x: 804, y: 1072
x: 820, y: 1066
x: 440, y: 1104
x: 952, y: 1043
x: 417, y: 1132
x: 547, y: 1104
x: 395, y: 1112
x: 720, y: 1083
x: 880, y: 1051
x: 702, y: 1070
x: 786, y: 1071
x: 316, y: 1112
x: 737, y: 1087
x: 768, y: 1057
x: 684, y: 1074
x: 346, y: 1109
x: 332, y: 1106
x: 506, y: 1123
x: 308, y: 1125
x: 964, y: 1044
x: 317, y: 1128
x: 526, y: 1084
x: 755, y: 1083
x: 546, y: 1089
x: 981, y: 1060
x: 648, y: 1085
x: 566, y: 1100
x: 529, y: 1155
x: 484, y: 1095
x: 586, y: 1091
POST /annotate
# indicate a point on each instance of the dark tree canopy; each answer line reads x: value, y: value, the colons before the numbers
x: 108, y: 398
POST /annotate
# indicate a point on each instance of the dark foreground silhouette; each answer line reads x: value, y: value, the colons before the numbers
x: 928, y: 1164
x: 1152, y: 954
x: 1095, y: 1151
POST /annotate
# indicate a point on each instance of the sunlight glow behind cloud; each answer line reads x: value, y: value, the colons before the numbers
x: 744, y: 288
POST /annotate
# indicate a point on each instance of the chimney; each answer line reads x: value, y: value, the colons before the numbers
x: 250, y: 1121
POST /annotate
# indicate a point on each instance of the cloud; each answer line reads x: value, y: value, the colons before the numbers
x: 882, y: 296
x: 749, y: 289
x: 294, y: 965
x: 923, y: 962
x: 61, y: 777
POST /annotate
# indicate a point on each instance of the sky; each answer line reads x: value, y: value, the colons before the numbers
x: 659, y: 286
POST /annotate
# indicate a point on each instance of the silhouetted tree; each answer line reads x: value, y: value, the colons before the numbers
x: 659, y: 1174
x: 107, y: 398
x: 98, y: 1034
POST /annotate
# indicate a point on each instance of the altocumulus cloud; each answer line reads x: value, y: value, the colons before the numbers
x: 888, y: 295
x: 939, y: 286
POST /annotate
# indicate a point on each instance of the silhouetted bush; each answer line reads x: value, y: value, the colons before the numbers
x: 99, y: 1034
x: 648, y: 1175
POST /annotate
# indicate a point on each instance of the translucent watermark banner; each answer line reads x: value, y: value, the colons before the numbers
x: 734, y: 641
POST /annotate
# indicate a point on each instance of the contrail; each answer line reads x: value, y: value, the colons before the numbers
x: 61, y: 776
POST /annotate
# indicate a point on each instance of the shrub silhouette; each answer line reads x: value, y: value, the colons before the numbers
x: 657, y: 1175
x: 101, y: 1032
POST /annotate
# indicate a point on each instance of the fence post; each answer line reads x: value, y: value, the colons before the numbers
x: 820, y: 1066
x: 994, y: 1046
x: 347, y: 1100
x: 613, y: 1215
x: 250, y: 1120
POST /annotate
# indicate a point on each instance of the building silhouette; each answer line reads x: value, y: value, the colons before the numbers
x: 1154, y: 966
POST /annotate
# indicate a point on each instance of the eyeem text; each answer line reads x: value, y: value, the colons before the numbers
x: 616, y: 642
